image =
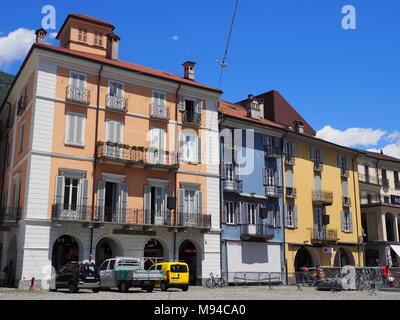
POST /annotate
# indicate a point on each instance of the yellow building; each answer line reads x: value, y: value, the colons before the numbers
x: 322, y: 208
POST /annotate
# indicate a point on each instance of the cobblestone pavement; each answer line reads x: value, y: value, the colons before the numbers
x: 201, y: 293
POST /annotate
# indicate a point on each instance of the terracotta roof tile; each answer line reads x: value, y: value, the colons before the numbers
x: 126, y: 65
x: 89, y: 18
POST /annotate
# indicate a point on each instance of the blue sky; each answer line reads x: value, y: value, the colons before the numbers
x: 347, y: 79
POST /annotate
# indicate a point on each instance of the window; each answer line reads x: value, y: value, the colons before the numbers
x: 386, y: 199
x: 9, y: 151
x: 71, y: 194
x: 21, y: 139
x: 252, y: 213
x: 178, y: 268
x: 78, y: 80
x: 289, y: 148
x: 17, y: 192
x: 157, y: 145
x: 98, y: 38
x: 190, y: 146
x: 159, y: 98
x: 75, y: 129
x: 192, y: 110
x: 230, y: 211
x: 190, y: 201
x: 290, y: 218
x: 104, y: 266
x: 116, y: 89
x: 396, y: 179
x: 317, y: 156
x: 82, y: 34
x: 274, y: 220
x: 114, y: 130
x: 111, y: 265
x: 347, y: 225
x: 270, y: 177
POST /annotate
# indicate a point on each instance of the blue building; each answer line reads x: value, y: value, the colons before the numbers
x: 252, y: 223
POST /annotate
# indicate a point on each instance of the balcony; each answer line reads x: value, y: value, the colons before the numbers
x: 318, y: 166
x: 323, y: 234
x: 233, y: 186
x: 137, y: 156
x: 272, y: 152
x: 291, y: 192
x: 368, y: 179
x: 116, y: 103
x: 255, y: 231
x: 78, y: 95
x: 9, y: 217
x: 130, y: 216
x: 22, y: 104
x: 159, y: 111
x: 346, y: 201
x: 344, y: 173
x: 273, y: 191
x: 324, y: 198
x: 191, y: 118
x: 290, y: 159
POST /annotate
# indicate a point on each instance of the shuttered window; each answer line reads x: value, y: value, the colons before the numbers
x: 75, y: 129
x: 114, y: 131
x: 230, y: 211
x: 190, y: 148
x: 347, y: 221
x: 21, y: 139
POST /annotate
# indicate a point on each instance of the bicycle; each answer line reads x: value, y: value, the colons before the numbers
x: 213, y: 282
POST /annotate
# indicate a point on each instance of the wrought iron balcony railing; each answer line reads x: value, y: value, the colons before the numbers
x: 192, y: 118
x: 368, y: 179
x: 135, y: 155
x: 272, y: 152
x: 322, y: 197
x: 78, y: 95
x: 233, y: 185
x: 318, y: 166
x: 323, y: 234
x: 159, y: 111
x: 346, y: 201
x: 130, y: 216
x: 248, y: 231
x: 273, y: 191
x: 344, y: 173
x: 290, y: 159
x: 22, y: 104
x: 10, y: 215
x: 117, y: 103
x: 291, y: 192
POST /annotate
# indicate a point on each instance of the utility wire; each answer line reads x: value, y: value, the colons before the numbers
x: 223, y: 64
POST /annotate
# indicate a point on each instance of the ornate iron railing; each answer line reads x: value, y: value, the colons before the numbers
x: 273, y: 191
x: 256, y: 230
x: 10, y: 214
x: 130, y: 216
x: 22, y: 104
x: 291, y: 192
x: 117, y: 103
x: 131, y: 155
x: 233, y: 185
x: 192, y: 117
x: 324, y: 234
x: 344, y: 172
x: 159, y: 111
x: 79, y: 95
x: 322, y: 197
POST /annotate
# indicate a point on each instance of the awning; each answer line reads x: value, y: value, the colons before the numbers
x: 396, y: 248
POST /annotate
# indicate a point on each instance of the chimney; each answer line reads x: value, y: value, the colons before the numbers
x: 40, y: 35
x: 188, y: 70
x: 112, y: 45
x: 298, y: 126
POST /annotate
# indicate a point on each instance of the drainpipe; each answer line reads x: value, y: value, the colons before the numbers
x: 177, y: 160
x: 356, y: 207
x: 95, y: 158
x: 5, y: 159
x: 284, y: 220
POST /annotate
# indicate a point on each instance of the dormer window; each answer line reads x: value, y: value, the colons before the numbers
x: 82, y: 34
x: 255, y: 105
x: 98, y: 38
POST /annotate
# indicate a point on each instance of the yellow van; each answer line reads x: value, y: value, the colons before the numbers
x: 176, y: 275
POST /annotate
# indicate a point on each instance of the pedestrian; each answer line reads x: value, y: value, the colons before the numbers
x: 320, y: 273
x: 385, y: 275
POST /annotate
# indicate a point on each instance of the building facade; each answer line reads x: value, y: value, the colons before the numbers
x: 107, y: 158
x: 380, y: 208
x: 251, y: 192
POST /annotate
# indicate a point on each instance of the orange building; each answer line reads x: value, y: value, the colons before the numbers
x: 106, y: 158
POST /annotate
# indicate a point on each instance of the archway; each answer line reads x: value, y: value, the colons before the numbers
x: 107, y: 248
x: 10, y: 263
x: 153, y: 249
x: 303, y: 259
x: 343, y: 258
x: 188, y: 254
x: 65, y: 249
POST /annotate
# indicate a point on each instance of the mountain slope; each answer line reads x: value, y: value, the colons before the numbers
x: 5, y: 82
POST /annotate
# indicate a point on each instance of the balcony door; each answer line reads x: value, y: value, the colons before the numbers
x: 157, y: 206
x: 78, y: 85
x: 114, y: 134
x: 116, y: 95
x: 111, y: 201
x: 157, y: 145
x: 318, y: 222
x: 190, y: 205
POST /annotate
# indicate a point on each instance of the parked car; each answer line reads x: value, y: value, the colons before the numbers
x: 176, y: 275
x: 76, y: 275
x: 124, y: 273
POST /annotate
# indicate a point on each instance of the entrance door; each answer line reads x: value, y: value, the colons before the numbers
x: 65, y: 249
x: 111, y: 201
x: 188, y: 254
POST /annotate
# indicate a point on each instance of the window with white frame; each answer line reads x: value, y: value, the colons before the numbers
x: 290, y: 218
x: 347, y: 224
x: 157, y: 145
x: 116, y: 96
x: 230, y: 212
x: 252, y: 213
x: 114, y: 131
x: 82, y: 34
x: 75, y: 134
x: 78, y: 80
x: 190, y: 146
x: 21, y: 138
x: 98, y: 38
x: 71, y: 193
x: 159, y: 105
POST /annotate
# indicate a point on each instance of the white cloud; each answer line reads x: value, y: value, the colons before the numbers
x: 175, y: 38
x: 351, y: 137
x: 392, y: 150
x: 53, y: 35
x: 15, y: 45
